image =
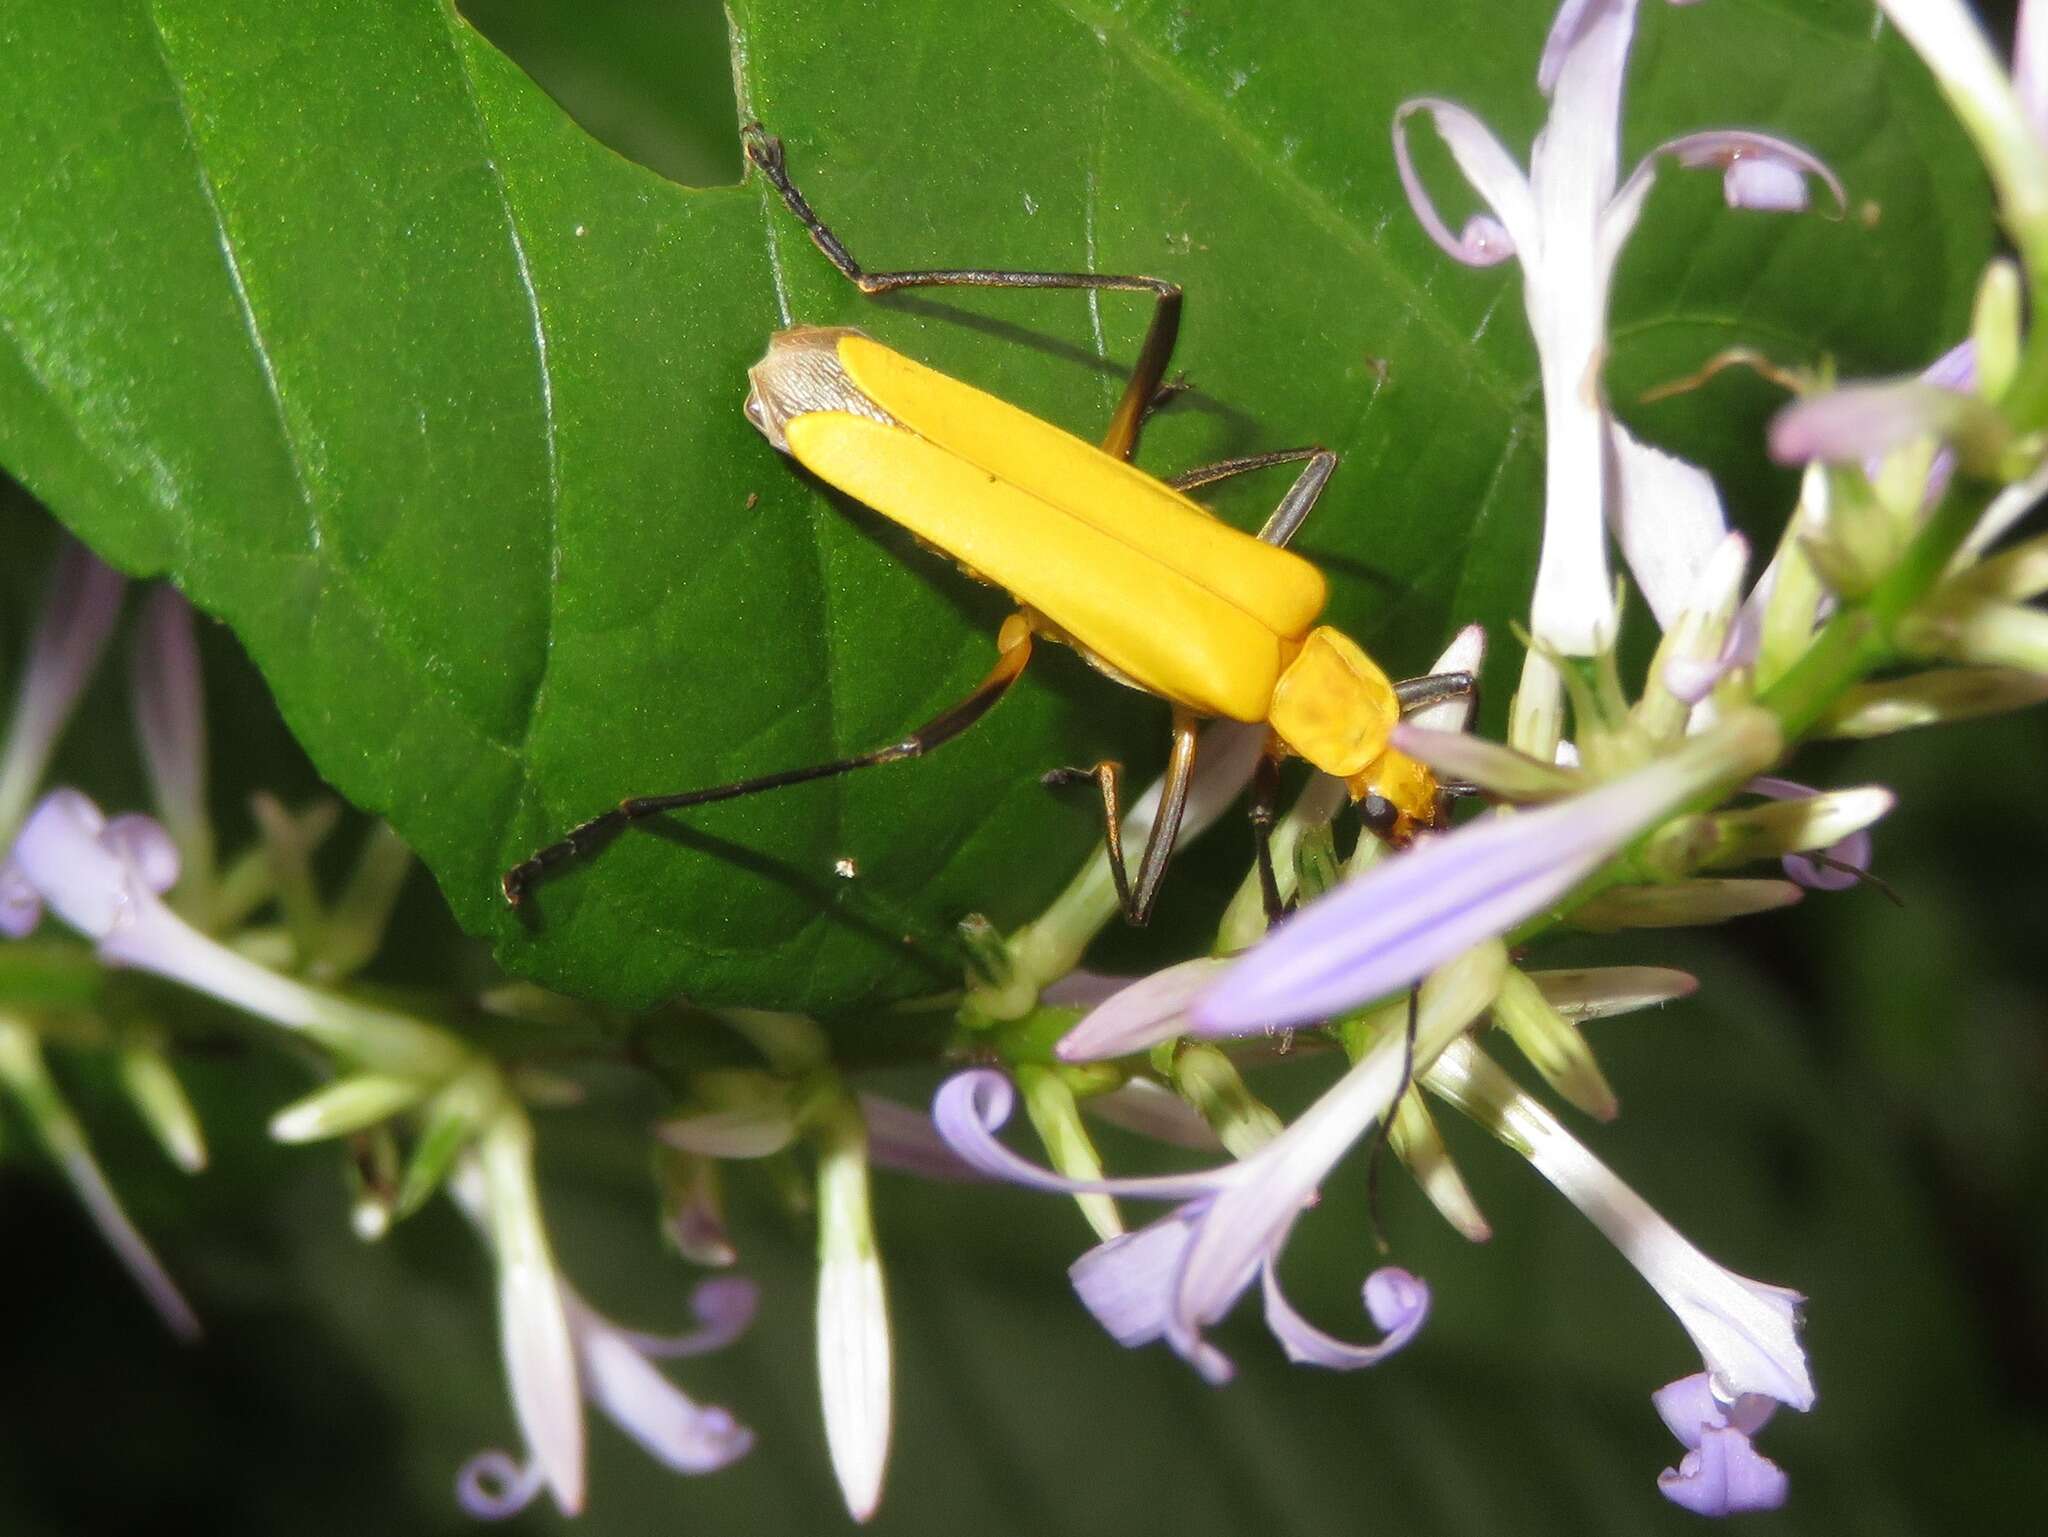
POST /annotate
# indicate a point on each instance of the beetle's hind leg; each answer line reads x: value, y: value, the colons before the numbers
x: 1142, y: 391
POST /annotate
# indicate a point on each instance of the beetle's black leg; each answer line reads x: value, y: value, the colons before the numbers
x: 1137, y: 896
x: 1014, y: 652
x: 1141, y: 393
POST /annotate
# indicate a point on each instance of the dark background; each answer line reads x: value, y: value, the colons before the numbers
x: 1852, y: 1106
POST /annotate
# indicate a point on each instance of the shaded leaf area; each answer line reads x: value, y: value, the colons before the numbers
x: 345, y: 1384
x: 326, y: 311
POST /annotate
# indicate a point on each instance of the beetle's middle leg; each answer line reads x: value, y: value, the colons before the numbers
x: 1295, y: 506
x: 1142, y: 390
x: 1137, y: 896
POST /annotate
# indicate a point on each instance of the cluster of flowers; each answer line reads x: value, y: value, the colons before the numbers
x: 1883, y: 606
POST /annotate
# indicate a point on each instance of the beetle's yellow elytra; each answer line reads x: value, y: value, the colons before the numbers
x: 1334, y: 706
x: 1280, y: 590
x: 1168, y: 633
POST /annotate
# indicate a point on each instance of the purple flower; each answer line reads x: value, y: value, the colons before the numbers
x: 1174, y: 1278
x: 1409, y: 915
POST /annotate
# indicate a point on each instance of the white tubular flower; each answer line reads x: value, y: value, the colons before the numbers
x: 540, y: 1356
x: 1746, y: 1331
x: 1567, y: 223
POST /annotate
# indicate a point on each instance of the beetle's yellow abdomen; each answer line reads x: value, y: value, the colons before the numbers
x: 1406, y: 785
x: 1334, y: 706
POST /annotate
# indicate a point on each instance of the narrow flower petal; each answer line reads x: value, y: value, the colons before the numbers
x: 169, y: 703
x: 1083, y: 989
x: 1746, y: 1331
x: 1150, y: 1010
x: 1397, y: 1302
x: 25, y: 1075
x: 676, y: 1430
x: 2030, y: 65
x: 79, y: 607
x: 1725, y: 1476
x: 1667, y: 518
x: 1929, y: 698
x: 1485, y: 241
x: 1704, y: 640
x: 1410, y: 914
x: 1866, y: 421
x: 1129, y: 1283
x: 1154, y: 1111
x: 904, y: 1139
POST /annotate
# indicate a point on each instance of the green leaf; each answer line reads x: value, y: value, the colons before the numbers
x: 327, y: 312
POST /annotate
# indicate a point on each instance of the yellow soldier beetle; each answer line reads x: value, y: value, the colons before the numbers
x: 1152, y: 589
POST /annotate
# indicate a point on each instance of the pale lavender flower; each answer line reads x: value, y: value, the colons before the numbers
x: 903, y: 1139
x: 1722, y: 1473
x: 1567, y: 222
x: 1174, y: 1278
x: 105, y: 879
x: 168, y: 699
x: 1409, y: 915
x: 620, y: 1378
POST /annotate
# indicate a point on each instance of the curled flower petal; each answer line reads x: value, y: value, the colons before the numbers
x: 1726, y: 1476
x: 494, y: 1485
x: 1409, y: 915
x: 904, y: 1139
x: 1485, y: 241
x: 1150, y: 1010
x: 724, y: 1307
x: 1396, y: 1301
x: 971, y: 1107
x: 1762, y: 172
